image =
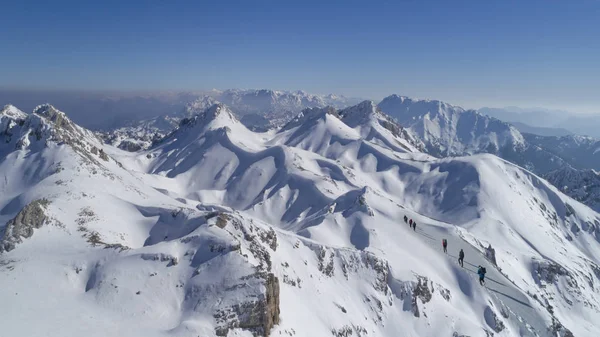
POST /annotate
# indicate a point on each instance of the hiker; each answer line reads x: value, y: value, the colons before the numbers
x: 414, y: 226
x: 410, y: 222
x: 461, y: 257
x: 445, y: 245
x: 481, y: 272
x: 405, y: 219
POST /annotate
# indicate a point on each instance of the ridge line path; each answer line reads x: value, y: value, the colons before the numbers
x: 499, y: 287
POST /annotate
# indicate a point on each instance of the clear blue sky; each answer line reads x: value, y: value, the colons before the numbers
x: 544, y: 53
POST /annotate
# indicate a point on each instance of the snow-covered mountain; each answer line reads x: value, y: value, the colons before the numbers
x: 259, y: 110
x: 450, y: 130
x: 577, y: 123
x: 220, y: 231
x: 541, y: 131
x: 579, y: 151
x: 142, y: 135
x: 581, y: 185
x: 264, y: 109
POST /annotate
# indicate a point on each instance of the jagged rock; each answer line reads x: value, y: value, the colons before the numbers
x: 344, y: 331
x: 269, y: 237
x: 103, y: 155
x: 490, y: 254
x: 21, y: 226
x: 327, y: 268
x: 455, y: 334
x: 130, y: 146
x: 557, y: 329
x: 259, y: 317
x: 492, y: 320
x: 422, y: 290
x: 221, y: 220
x: 272, y: 310
x: 548, y: 271
x: 349, y: 330
x: 569, y: 210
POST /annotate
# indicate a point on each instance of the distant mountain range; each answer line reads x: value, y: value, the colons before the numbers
x: 434, y: 127
x: 558, y: 121
x: 541, y: 131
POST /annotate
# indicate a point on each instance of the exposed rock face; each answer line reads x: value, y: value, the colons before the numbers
x: 259, y: 317
x: 21, y: 226
x: 46, y: 125
x: 130, y: 146
x: 547, y: 272
x: 271, y: 312
x: 493, y: 321
x: 557, y: 329
x: 422, y: 292
x: 260, y: 313
x: 490, y: 253
x: 412, y: 293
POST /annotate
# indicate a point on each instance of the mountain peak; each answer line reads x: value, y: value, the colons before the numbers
x: 217, y: 112
x: 58, y: 118
x: 199, y: 105
x: 360, y: 113
x: 12, y: 111
x: 309, y: 114
x: 47, y: 110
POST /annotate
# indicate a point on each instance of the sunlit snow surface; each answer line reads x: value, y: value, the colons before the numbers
x: 166, y: 241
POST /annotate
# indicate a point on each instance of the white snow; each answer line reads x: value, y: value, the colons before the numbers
x: 180, y: 239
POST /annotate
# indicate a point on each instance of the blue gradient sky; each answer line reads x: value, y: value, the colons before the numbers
x: 474, y: 53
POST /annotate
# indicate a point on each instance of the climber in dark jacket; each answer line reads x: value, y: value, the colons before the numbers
x: 405, y: 219
x: 445, y: 245
x: 461, y: 257
x: 414, y: 226
x: 481, y: 272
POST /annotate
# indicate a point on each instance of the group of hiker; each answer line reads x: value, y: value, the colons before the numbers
x: 411, y: 223
x: 461, y: 255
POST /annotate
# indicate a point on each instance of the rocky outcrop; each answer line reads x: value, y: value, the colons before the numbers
x: 130, y: 146
x: 258, y: 317
x: 493, y: 320
x: 271, y: 310
x: 35, y: 131
x: 547, y: 272
x: 21, y: 226
x: 258, y: 313
x: 490, y: 254
x: 557, y: 329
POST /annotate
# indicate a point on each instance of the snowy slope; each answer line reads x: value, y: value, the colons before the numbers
x: 221, y: 231
x: 579, y: 151
x: 581, y: 185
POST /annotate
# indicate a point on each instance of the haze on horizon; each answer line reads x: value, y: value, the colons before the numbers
x: 473, y: 54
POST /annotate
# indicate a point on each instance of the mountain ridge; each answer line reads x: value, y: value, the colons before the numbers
x: 219, y: 230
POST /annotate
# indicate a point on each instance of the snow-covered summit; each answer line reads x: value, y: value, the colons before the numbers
x: 449, y: 130
x: 47, y: 126
x: 13, y: 111
x: 216, y: 116
x: 375, y: 126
